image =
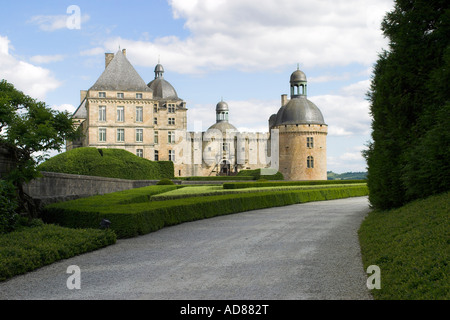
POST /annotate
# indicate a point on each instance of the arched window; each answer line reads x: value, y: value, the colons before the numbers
x: 310, y: 162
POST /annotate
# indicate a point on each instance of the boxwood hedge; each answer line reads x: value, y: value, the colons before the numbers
x: 129, y: 219
x: 262, y: 184
x: 31, y: 248
x: 111, y: 163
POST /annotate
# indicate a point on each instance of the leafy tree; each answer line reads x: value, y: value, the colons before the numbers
x: 28, y: 128
x: 408, y: 156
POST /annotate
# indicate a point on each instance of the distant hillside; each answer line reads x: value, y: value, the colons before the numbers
x: 346, y: 176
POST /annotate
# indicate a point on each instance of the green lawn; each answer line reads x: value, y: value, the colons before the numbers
x: 411, y: 246
x: 200, y: 191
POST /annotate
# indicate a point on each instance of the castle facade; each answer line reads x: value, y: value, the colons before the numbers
x: 149, y: 119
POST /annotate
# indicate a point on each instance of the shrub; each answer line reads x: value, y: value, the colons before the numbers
x: 111, y: 163
x: 256, y: 174
x: 165, y: 182
x: 8, y: 206
x: 30, y: 248
x: 260, y: 184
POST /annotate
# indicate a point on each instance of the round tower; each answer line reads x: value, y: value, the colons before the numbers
x: 302, y: 134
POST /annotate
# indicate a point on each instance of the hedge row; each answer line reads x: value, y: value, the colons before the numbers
x: 31, y: 248
x: 256, y: 175
x: 215, y: 178
x: 262, y: 184
x: 129, y: 220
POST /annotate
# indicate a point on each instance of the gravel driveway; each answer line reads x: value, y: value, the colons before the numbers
x: 304, y: 251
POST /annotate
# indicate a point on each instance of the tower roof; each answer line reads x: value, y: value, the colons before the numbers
x: 299, y: 110
x: 119, y: 75
x: 161, y: 88
x: 298, y: 76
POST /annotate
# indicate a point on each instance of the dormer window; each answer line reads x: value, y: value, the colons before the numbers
x: 120, y: 95
x: 102, y: 94
x: 138, y: 95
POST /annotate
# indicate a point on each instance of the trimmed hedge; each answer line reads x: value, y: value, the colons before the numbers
x: 256, y: 175
x: 111, y: 163
x: 215, y: 178
x: 129, y: 220
x: 262, y: 184
x: 31, y: 248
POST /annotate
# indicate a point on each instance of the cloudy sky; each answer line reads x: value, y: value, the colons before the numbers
x: 243, y: 51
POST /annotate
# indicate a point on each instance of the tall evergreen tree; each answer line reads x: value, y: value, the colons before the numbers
x: 408, y: 156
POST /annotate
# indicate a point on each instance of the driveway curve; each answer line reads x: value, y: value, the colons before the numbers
x: 298, y: 252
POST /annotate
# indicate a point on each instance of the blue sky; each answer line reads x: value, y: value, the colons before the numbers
x: 241, y: 50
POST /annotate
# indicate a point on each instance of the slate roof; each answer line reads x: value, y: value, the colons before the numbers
x: 120, y: 75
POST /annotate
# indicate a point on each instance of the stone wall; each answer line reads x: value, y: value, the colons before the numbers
x: 54, y: 187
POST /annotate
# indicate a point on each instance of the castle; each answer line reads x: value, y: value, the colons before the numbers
x: 121, y: 111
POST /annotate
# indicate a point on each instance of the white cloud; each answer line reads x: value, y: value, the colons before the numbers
x: 40, y: 59
x: 32, y: 80
x: 64, y: 107
x: 268, y: 34
x: 54, y: 22
x: 350, y: 161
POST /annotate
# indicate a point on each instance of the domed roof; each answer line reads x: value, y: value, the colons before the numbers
x: 162, y: 89
x: 298, y: 76
x: 222, y: 106
x: 159, y: 68
x: 223, y: 126
x: 299, y: 111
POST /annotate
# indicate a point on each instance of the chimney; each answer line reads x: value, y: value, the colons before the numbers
x: 108, y: 58
x: 124, y: 51
x: 284, y: 100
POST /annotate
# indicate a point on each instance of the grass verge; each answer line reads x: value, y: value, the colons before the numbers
x: 410, y: 245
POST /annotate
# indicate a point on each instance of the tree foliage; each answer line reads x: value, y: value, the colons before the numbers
x: 28, y: 128
x: 408, y: 156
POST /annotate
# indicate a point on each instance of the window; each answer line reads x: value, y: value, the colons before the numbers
x: 156, y: 137
x: 155, y: 108
x: 138, y: 95
x: 310, y: 162
x: 171, y: 155
x: 120, y: 114
x: 140, y: 153
x: 102, y: 94
x: 102, y: 134
x: 171, y: 121
x: 102, y: 113
x: 156, y: 155
x: 139, y: 135
x: 120, y: 95
x: 155, y: 121
x: 139, y: 114
x: 171, y: 108
x: 310, y: 142
x: 225, y: 146
x: 120, y: 135
x: 171, y: 137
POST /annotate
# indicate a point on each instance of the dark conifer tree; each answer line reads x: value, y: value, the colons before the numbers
x: 408, y: 156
